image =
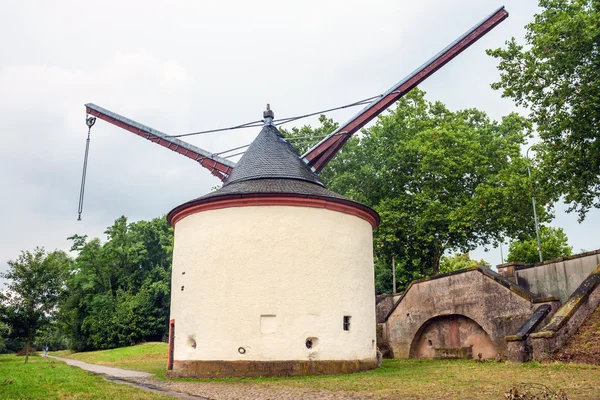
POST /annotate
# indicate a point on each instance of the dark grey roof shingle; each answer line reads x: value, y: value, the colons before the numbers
x: 272, y: 165
x: 270, y: 156
x: 283, y: 186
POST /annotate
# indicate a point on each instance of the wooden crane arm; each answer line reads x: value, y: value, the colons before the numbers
x: 218, y: 166
x: 320, y: 154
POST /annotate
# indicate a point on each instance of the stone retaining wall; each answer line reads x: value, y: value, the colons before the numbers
x: 568, y: 318
x: 559, y: 277
x: 473, y: 307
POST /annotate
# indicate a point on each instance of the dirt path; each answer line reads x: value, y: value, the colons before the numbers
x: 101, y: 369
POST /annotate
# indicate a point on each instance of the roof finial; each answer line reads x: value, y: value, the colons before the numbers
x: 268, y: 115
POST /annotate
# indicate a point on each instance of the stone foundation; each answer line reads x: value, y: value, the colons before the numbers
x: 247, y: 369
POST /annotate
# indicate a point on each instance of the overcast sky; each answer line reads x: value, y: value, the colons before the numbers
x: 182, y: 66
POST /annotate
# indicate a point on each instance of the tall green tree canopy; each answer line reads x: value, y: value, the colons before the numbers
x: 556, y: 75
x: 36, y: 284
x: 441, y: 180
x: 119, y: 291
x: 5, y: 329
x: 554, y: 241
x: 4, y: 333
x: 303, y: 138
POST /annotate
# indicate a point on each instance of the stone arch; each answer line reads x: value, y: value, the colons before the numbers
x: 452, y: 335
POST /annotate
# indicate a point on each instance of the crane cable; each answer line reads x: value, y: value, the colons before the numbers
x: 282, y: 121
x: 89, y: 121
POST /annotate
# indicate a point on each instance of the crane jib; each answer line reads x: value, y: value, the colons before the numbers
x: 324, y: 151
x: 218, y: 166
x: 319, y: 155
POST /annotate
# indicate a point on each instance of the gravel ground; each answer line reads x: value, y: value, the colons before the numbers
x: 248, y: 391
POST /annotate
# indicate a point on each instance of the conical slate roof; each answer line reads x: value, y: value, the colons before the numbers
x: 271, y: 167
x: 270, y: 156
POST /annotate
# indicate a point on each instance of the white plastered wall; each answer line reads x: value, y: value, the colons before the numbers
x: 308, y: 267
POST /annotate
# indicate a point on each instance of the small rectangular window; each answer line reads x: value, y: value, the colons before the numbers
x: 268, y: 323
x: 347, y: 322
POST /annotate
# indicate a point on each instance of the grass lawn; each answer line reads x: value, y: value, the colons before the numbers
x: 456, y: 379
x: 48, y: 379
x: 397, y: 379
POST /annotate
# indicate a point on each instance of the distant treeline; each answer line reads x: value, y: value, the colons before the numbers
x: 112, y: 294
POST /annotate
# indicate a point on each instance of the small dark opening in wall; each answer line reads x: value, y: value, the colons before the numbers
x: 183, y: 273
x: 309, y: 344
x: 191, y: 342
x: 429, y: 341
x: 347, y: 322
x: 182, y: 288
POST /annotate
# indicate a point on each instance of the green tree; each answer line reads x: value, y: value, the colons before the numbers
x: 50, y: 335
x: 4, y: 333
x: 460, y: 261
x: 557, y: 76
x: 36, y: 284
x: 440, y: 180
x: 5, y: 329
x: 555, y: 244
x: 119, y: 291
x: 305, y: 137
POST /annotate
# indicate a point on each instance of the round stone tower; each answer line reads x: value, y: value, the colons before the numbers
x: 272, y: 273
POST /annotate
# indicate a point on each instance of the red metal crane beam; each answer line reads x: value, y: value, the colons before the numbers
x: 218, y: 166
x: 319, y: 155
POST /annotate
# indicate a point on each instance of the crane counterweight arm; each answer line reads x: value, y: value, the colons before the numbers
x: 218, y: 166
x: 319, y: 155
